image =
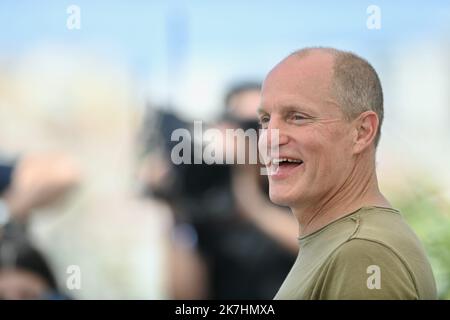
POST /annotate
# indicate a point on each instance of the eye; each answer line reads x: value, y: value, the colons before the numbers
x: 297, y: 118
x: 264, y: 121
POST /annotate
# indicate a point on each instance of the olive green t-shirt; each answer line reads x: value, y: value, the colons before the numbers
x: 369, y: 254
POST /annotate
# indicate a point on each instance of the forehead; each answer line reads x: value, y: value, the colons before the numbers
x: 303, y: 81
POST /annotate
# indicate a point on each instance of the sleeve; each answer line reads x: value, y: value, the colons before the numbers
x: 365, y: 270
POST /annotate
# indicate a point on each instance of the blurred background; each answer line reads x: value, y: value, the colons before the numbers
x: 91, y: 90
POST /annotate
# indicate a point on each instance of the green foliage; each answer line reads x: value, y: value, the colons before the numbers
x: 428, y: 213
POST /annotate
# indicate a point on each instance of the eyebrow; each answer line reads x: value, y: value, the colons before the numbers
x: 261, y: 110
x: 288, y: 108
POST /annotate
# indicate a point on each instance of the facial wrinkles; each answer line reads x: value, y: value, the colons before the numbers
x: 354, y: 185
x: 333, y: 191
x: 281, y: 116
x: 315, y: 111
x: 331, y: 196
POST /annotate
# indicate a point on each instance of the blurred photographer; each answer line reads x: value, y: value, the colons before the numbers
x: 250, y: 188
x: 229, y: 241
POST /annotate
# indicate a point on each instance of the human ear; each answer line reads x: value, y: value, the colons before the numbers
x: 366, y: 126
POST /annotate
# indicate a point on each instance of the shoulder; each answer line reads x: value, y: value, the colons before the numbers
x: 385, y: 225
x: 386, y: 228
x: 362, y: 253
x: 364, y: 249
x: 364, y: 269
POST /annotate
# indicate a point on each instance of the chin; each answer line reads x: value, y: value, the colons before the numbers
x: 280, y: 198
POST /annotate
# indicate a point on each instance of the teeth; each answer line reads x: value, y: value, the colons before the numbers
x: 278, y: 160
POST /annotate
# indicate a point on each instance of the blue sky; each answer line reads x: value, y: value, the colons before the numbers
x: 230, y: 39
x: 138, y: 29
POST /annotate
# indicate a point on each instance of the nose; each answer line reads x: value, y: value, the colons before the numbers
x: 276, y: 135
x: 271, y: 139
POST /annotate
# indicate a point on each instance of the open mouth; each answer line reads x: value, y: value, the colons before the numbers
x: 282, y: 167
x: 286, y: 161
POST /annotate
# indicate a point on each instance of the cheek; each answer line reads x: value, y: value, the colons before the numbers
x: 334, y: 136
x: 312, y: 143
x: 325, y: 148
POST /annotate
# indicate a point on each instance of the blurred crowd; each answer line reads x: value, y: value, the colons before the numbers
x: 211, y: 230
x: 27, y: 183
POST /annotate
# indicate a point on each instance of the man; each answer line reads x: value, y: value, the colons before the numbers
x: 328, y: 108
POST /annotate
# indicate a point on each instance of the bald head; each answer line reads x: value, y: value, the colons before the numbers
x: 352, y: 81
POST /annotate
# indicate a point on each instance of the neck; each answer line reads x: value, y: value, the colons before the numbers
x: 358, y: 190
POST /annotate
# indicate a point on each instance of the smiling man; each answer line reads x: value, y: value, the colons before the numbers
x: 327, y: 106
